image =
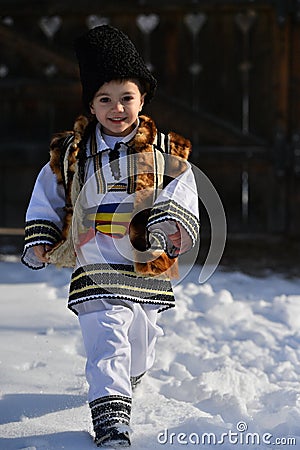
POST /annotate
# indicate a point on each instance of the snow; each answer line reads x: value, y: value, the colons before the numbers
x: 226, y: 373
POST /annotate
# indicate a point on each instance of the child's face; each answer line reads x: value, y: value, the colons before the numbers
x: 117, y: 105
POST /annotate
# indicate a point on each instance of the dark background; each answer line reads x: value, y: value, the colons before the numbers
x: 229, y: 79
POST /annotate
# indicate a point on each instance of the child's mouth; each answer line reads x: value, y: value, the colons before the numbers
x: 117, y: 119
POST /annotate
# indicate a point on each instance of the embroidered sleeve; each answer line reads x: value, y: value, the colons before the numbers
x: 44, y: 216
x: 175, y: 211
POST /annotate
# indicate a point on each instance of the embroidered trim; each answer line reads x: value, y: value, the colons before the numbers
x: 159, y: 171
x: 97, y: 164
x: 66, y: 145
x: 110, y: 281
x: 157, y: 241
x: 114, y: 162
x: 118, y: 187
x: 110, y: 410
x: 131, y: 170
x: 172, y: 210
x: 41, y: 231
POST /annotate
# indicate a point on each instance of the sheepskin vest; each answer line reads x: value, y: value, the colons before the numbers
x: 67, y: 161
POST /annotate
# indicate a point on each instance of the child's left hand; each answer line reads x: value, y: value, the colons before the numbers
x: 180, y: 239
x: 175, y: 238
x: 40, y: 252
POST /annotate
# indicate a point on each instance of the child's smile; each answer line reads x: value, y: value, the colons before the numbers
x: 117, y: 105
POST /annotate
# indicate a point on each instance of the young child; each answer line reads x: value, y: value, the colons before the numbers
x: 118, y: 202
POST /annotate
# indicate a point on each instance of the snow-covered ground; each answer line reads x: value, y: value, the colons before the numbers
x: 227, y: 372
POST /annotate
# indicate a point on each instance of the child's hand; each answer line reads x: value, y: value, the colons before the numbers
x: 40, y: 252
x: 175, y: 238
x: 180, y: 240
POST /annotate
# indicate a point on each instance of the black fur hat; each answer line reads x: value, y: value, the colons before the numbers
x: 104, y: 54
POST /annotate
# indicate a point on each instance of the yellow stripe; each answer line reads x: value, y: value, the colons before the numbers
x: 181, y: 210
x: 112, y: 229
x: 161, y: 213
x: 95, y: 272
x: 39, y: 235
x: 132, y: 288
x: 34, y: 225
x: 190, y: 215
x: 109, y: 217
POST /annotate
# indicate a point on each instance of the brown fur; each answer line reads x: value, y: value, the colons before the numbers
x: 161, y: 266
x: 56, y: 142
x: 179, y: 148
x: 55, y: 164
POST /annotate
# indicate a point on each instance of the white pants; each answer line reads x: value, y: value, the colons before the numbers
x: 119, y: 340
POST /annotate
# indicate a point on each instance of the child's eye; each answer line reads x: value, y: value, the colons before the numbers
x: 104, y: 100
x: 127, y: 98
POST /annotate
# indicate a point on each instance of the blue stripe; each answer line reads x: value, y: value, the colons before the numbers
x: 113, y: 207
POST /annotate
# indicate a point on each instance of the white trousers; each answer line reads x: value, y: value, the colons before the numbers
x: 119, y: 340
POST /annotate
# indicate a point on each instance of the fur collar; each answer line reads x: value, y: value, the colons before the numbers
x: 142, y: 141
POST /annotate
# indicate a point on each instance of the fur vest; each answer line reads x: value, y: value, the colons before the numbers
x: 67, y: 161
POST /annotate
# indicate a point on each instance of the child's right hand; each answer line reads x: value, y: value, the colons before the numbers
x: 40, y: 252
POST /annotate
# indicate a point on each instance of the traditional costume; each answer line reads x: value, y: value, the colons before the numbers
x: 107, y: 206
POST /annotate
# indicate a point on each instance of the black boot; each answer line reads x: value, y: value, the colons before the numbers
x: 112, y: 437
x: 111, y: 419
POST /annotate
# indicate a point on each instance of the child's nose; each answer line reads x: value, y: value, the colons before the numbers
x: 118, y: 106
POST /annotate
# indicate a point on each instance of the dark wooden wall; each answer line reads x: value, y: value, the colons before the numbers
x: 228, y: 76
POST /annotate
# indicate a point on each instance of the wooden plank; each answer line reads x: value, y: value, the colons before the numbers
x: 11, y: 231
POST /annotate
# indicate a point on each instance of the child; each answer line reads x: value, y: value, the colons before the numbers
x: 117, y: 202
